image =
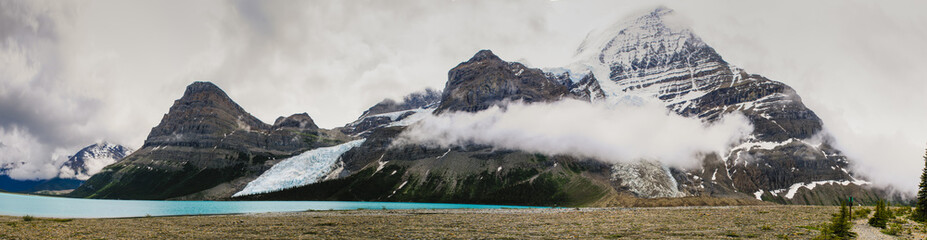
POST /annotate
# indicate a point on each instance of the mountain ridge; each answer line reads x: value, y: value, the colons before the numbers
x: 641, y: 58
x: 207, y: 147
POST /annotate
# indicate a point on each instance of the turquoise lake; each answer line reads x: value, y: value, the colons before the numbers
x: 58, y: 207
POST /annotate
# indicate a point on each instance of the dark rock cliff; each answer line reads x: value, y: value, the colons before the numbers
x: 486, y: 80
x: 205, y: 140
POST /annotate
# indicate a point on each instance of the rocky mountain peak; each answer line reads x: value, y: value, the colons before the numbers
x: 421, y: 99
x: 390, y: 111
x: 486, y: 80
x: 202, y: 86
x: 298, y: 121
x: 484, y: 55
x: 205, y: 140
x: 207, y: 94
x: 654, y: 54
x: 91, y: 159
x: 203, y: 110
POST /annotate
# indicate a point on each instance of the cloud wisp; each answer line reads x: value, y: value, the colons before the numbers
x: 607, y: 132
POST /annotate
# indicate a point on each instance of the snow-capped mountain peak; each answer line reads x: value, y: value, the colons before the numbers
x: 654, y: 55
x: 91, y: 159
x: 660, y: 31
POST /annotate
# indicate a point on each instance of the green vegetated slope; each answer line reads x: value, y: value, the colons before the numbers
x: 479, y: 177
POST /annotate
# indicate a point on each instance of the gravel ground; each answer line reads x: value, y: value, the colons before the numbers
x: 761, y: 222
x: 864, y: 231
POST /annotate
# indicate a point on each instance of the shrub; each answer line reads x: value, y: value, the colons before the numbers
x: 839, y: 227
x: 881, y: 216
x: 862, y: 213
x: 893, y: 229
x: 28, y: 218
x: 901, y: 211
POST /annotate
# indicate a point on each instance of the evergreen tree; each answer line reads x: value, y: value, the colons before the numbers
x: 840, y: 224
x: 920, y: 210
x: 839, y: 227
x: 881, y: 215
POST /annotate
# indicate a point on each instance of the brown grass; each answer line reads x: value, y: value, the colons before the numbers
x: 762, y: 222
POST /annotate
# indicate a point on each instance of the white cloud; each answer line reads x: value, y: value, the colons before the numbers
x: 78, y: 73
x: 19, y: 148
x: 606, y: 132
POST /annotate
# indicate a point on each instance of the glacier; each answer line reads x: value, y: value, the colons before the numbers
x: 300, y: 170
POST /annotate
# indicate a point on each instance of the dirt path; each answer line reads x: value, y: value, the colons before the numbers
x: 864, y: 231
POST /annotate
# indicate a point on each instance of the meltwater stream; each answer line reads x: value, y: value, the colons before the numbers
x: 59, y: 207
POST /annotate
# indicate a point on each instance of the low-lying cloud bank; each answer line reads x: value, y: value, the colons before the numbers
x: 606, y: 132
x: 17, y: 146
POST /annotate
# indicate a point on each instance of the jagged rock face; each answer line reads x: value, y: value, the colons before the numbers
x: 483, y: 81
x: 486, y: 80
x: 390, y: 111
x: 587, y: 88
x: 300, y: 121
x: 646, y: 56
x: 774, y: 109
x: 652, y: 56
x: 423, y: 99
x: 91, y: 159
x: 200, y: 117
x: 205, y: 140
x: 206, y: 117
x: 363, y: 126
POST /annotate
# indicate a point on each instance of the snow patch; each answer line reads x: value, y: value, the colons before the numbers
x: 445, y: 154
x: 380, y: 165
x: 419, y: 114
x: 397, y: 189
x: 792, y: 190
x: 758, y: 195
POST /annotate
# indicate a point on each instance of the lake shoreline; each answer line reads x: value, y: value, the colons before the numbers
x: 55, y: 207
x: 709, y: 222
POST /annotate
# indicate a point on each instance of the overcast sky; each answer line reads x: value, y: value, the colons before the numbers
x: 73, y: 73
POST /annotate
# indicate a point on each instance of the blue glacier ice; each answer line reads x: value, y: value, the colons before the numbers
x: 300, y: 170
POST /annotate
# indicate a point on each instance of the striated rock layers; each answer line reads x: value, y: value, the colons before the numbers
x: 650, y: 57
x: 486, y: 80
x: 204, y: 141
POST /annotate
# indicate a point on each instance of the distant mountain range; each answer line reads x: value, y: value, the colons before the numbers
x: 208, y: 147
x: 73, y: 172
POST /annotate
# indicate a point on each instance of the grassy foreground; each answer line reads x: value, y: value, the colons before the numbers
x: 761, y: 222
